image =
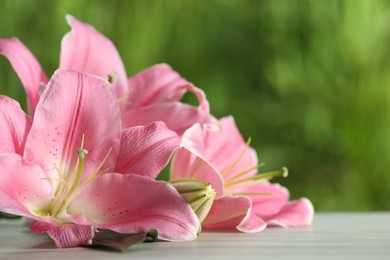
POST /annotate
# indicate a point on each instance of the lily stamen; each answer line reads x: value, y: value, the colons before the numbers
x: 56, y: 179
x: 91, y: 179
x: 79, y: 168
x: 230, y: 167
x: 111, y: 78
x: 245, y: 171
x: 55, y: 167
x: 101, y: 164
x: 256, y: 178
x: 121, y: 99
x: 70, y: 184
x: 66, y: 189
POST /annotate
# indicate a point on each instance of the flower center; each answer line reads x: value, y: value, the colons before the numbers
x: 70, y: 184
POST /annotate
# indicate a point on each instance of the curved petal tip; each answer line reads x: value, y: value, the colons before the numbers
x: 66, y: 235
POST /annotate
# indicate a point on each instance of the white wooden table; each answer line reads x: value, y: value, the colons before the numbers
x: 332, y: 236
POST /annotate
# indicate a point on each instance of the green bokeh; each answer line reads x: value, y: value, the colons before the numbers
x: 307, y: 80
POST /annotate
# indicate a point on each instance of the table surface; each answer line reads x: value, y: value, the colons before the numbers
x: 332, y: 236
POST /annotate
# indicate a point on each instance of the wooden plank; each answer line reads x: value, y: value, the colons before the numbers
x: 332, y: 236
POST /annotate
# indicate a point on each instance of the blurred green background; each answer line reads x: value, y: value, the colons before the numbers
x: 308, y: 80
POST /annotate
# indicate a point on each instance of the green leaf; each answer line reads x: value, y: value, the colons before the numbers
x: 8, y: 216
x: 114, y: 241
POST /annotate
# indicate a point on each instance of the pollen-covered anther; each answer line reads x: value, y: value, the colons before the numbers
x: 284, y: 172
x: 111, y: 78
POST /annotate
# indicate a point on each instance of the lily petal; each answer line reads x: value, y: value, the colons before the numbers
x: 14, y: 125
x: 190, y: 161
x: 132, y: 203
x: 200, y: 95
x: 252, y: 223
x: 195, y: 140
x: 232, y: 156
x: 177, y: 116
x: 267, y: 198
x: 146, y: 150
x: 187, y: 166
x: 26, y: 66
x: 155, y: 85
x: 65, y: 235
x: 86, y: 50
x: 159, y: 84
x: 233, y: 213
x: 73, y: 107
x: 294, y: 214
x: 22, y: 188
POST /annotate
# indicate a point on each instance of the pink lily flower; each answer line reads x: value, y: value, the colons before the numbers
x: 15, y: 125
x: 245, y: 201
x: 74, y: 171
x: 152, y: 95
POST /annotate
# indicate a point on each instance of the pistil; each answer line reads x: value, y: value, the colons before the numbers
x: 69, y: 184
x: 68, y: 187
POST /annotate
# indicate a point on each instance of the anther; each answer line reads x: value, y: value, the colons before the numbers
x: 112, y: 78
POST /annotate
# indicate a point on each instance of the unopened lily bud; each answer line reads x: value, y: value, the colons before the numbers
x: 199, y: 195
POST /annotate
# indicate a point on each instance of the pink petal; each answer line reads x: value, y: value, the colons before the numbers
x: 267, y: 199
x: 228, y: 152
x: 195, y: 140
x: 86, y: 50
x: 74, y: 105
x: 270, y: 203
x: 69, y: 235
x: 27, y: 68
x: 177, y: 116
x: 185, y: 165
x: 23, y: 191
x: 14, y: 125
x: 159, y: 84
x: 190, y: 161
x: 146, y: 150
x: 132, y: 203
x: 155, y: 85
x: 229, y: 213
x: 251, y: 223
x: 200, y: 95
x: 294, y: 214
